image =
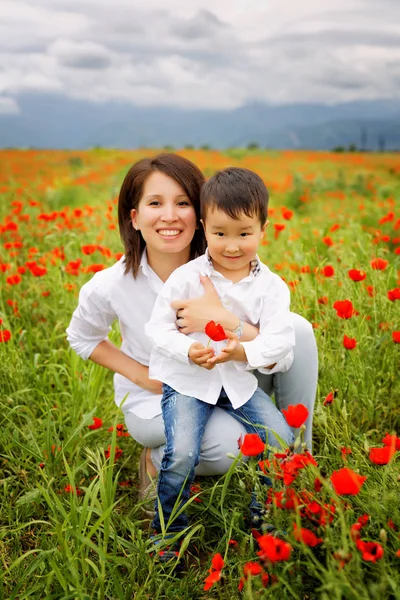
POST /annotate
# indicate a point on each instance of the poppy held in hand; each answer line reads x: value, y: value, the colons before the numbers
x: 296, y: 415
x: 215, y: 331
x: 252, y: 445
x: 347, y: 482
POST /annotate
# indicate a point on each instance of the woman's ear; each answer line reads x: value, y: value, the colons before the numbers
x: 134, y: 219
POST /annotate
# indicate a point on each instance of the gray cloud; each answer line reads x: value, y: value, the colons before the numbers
x: 189, y: 56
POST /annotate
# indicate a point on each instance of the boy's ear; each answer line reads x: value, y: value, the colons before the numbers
x: 263, y: 228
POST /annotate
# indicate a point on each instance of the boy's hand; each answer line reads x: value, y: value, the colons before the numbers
x: 200, y: 355
x: 232, y: 351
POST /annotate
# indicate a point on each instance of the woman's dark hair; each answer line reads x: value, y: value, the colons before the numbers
x: 234, y: 191
x: 185, y: 173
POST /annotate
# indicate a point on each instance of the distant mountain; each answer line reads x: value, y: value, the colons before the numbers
x: 50, y: 121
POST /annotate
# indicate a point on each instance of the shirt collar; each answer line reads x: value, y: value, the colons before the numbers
x: 255, y: 265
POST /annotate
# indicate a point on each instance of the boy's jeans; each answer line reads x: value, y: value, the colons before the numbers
x: 185, y: 419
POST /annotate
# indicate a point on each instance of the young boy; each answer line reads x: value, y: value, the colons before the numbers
x: 234, y: 210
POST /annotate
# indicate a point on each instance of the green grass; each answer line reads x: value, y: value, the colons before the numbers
x: 57, y: 545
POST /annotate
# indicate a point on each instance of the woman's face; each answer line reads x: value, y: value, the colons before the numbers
x: 165, y: 216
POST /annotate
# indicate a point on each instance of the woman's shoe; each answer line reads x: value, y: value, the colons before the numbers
x: 147, y: 487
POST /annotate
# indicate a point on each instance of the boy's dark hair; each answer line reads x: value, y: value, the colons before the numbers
x: 235, y: 190
x: 184, y: 172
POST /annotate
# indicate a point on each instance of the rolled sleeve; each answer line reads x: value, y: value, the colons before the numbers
x: 275, y: 342
x: 91, y: 321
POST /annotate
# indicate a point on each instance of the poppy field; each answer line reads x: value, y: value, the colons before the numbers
x: 71, y: 525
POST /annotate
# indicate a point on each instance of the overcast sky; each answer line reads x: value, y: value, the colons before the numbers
x: 198, y: 53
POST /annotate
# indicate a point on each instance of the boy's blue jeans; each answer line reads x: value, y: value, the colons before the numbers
x: 185, y: 419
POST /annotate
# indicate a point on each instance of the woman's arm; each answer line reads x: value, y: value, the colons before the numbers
x: 195, y: 313
x: 108, y: 355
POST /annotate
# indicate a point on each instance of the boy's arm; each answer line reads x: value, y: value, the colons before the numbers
x: 272, y: 350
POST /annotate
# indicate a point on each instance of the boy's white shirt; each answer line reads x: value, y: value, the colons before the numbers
x: 262, y: 299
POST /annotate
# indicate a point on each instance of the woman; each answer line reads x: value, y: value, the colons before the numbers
x: 159, y: 216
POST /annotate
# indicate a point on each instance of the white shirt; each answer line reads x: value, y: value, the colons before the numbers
x: 262, y: 299
x: 112, y: 295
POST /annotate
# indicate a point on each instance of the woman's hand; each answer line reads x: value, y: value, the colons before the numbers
x: 194, y: 314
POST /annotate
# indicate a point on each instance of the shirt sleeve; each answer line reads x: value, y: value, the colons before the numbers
x: 162, y: 329
x: 91, y: 321
x: 276, y: 339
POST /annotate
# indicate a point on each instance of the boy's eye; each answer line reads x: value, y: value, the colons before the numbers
x: 244, y: 234
x: 219, y: 233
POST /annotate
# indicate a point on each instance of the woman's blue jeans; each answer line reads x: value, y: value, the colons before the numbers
x: 185, y: 419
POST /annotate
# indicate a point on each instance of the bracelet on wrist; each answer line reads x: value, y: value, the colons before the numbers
x: 239, y: 329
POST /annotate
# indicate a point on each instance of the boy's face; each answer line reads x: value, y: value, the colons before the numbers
x: 232, y: 243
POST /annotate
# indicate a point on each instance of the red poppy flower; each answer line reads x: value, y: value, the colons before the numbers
x: 5, y: 335
x: 370, y: 551
x: 317, y: 484
x: 344, y: 309
x: 215, y: 331
x: 396, y: 337
x: 356, y: 275
x: 14, y: 279
x: 379, y: 264
x: 394, y: 294
x: 371, y: 290
x: 308, y: 537
x: 382, y: 456
x: 279, y: 226
x: 296, y: 415
x: 323, y: 300
x: 363, y: 520
x: 391, y: 440
x: 217, y: 562
x: 287, y: 214
x: 328, y: 241
x: 71, y: 489
x: 118, y: 452
x: 330, y: 398
x: 273, y: 549
x: 252, y: 568
x: 97, y: 423
x: 252, y: 445
x: 349, y: 343
x: 347, y: 482
x: 328, y: 271
x: 212, y: 578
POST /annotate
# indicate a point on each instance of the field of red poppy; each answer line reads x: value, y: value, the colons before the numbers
x: 70, y: 522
